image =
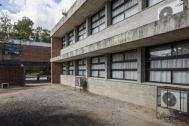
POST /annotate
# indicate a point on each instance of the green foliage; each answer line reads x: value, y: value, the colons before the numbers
x: 35, y: 69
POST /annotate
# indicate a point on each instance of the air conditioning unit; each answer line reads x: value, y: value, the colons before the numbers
x: 170, y: 9
x: 80, y: 81
x: 173, y: 100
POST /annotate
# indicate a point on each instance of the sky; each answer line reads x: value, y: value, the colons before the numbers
x: 44, y: 13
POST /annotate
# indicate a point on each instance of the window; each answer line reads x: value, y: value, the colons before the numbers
x: 122, y: 9
x: 98, y: 66
x: 71, y: 68
x: 11, y: 49
x: 98, y: 21
x: 82, y: 31
x: 82, y: 67
x: 63, y: 42
x: 71, y: 38
x: 124, y: 65
x: 64, y: 68
x: 152, y: 2
x: 169, y: 63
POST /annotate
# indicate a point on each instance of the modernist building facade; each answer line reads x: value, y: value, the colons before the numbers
x: 124, y: 48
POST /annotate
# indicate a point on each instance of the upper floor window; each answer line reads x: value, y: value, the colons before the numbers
x: 124, y: 65
x: 71, y: 68
x: 63, y: 42
x: 122, y: 9
x: 168, y: 63
x: 82, y: 31
x: 82, y: 67
x: 71, y: 38
x: 152, y: 2
x: 98, y: 21
x: 64, y: 68
x: 11, y: 49
x: 98, y: 66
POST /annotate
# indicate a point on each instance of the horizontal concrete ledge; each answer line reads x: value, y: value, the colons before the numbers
x: 166, y: 30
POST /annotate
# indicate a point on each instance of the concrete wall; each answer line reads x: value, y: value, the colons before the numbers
x: 35, y: 54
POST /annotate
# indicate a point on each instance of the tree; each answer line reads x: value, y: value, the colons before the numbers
x: 24, y: 29
x: 36, y: 34
x: 45, y: 36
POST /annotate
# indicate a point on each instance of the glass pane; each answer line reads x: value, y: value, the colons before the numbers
x: 95, y: 60
x: 98, y: 66
x: 117, y: 74
x: 64, y: 68
x: 95, y: 30
x: 126, y: 65
x: 130, y: 55
x: 70, y: 72
x: 102, y: 26
x: 180, y: 48
x: 94, y: 73
x: 82, y: 67
x: 152, y: 2
x: 118, y: 18
x: 117, y: 11
x: 160, y: 51
x: 131, y: 11
x: 117, y: 3
x: 131, y: 75
x: 71, y: 68
x: 101, y: 74
x: 181, y: 77
x: 80, y: 73
x: 64, y: 72
x: 160, y: 76
x: 173, y: 63
x: 95, y: 17
x: 117, y: 57
x: 102, y: 59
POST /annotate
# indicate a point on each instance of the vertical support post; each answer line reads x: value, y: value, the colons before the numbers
x: 88, y: 26
x: 67, y: 69
x: 75, y: 34
x: 75, y: 68
x: 88, y: 67
x: 108, y: 14
x: 67, y: 39
x: 107, y: 66
x: 141, y: 64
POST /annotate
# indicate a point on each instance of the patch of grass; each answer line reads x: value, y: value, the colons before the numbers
x: 11, y: 97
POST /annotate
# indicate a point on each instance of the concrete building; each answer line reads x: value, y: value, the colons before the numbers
x: 14, y: 57
x: 125, y: 48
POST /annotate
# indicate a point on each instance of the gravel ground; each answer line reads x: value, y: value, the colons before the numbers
x: 58, y: 105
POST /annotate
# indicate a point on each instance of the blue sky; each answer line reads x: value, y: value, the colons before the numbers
x: 44, y: 13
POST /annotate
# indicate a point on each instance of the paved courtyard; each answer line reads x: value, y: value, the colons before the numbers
x: 57, y: 105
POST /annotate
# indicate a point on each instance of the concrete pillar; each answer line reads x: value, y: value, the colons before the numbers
x: 75, y: 68
x: 88, y: 67
x: 187, y: 4
x: 141, y: 64
x: 108, y: 14
x: 56, y: 71
x: 142, y: 4
x: 88, y: 26
x: 67, y: 68
x: 107, y: 66
x: 66, y: 39
x: 76, y: 34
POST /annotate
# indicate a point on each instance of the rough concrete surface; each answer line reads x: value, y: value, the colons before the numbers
x: 57, y: 105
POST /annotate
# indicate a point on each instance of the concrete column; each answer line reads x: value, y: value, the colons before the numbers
x: 75, y: 68
x: 187, y: 4
x: 67, y: 68
x: 141, y: 64
x: 88, y: 67
x: 76, y: 34
x: 142, y: 4
x: 88, y: 26
x: 107, y: 66
x: 108, y: 14
x: 66, y: 38
x: 56, y: 71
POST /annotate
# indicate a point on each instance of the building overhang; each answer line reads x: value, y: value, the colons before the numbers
x: 78, y: 13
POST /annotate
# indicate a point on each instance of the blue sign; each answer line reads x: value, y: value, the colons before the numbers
x: 182, y: 97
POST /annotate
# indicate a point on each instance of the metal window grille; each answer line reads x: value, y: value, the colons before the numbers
x: 122, y: 9
x: 82, y: 31
x: 98, y: 66
x: 98, y: 21
x: 124, y: 65
x: 168, y: 63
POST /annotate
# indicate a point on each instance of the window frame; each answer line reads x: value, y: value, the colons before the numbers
x: 97, y: 64
x: 99, y: 18
x: 83, y: 70
x: 147, y: 3
x: 71, y: 66
x: 84, y: 29
x: 123, y: 12
x: 148, y: 60
x: 64, y: 42
x: 69, y: 42
x: 123, y: 61
x: 63, y: 65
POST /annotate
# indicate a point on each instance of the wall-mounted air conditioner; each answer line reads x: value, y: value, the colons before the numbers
x: 80, y: 81
x: 174, y: 100
x: 170, y: 9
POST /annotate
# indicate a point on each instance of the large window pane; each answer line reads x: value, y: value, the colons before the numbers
x: 160, y: 76
x: 98, y: 66
x: 161, y: 51
x: 81, y: 67
x: 117, y: 74
x: 181, y: 48
x: 181, y: 77
x: 152, y: 2
x: 131, y: 75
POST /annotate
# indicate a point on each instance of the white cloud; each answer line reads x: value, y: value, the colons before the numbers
x: 44, y: 13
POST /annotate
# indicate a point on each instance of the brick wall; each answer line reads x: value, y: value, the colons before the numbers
x: 56, y: 46
x: 14, y: 75
x: 35, y: 54
x: 56, y: 71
